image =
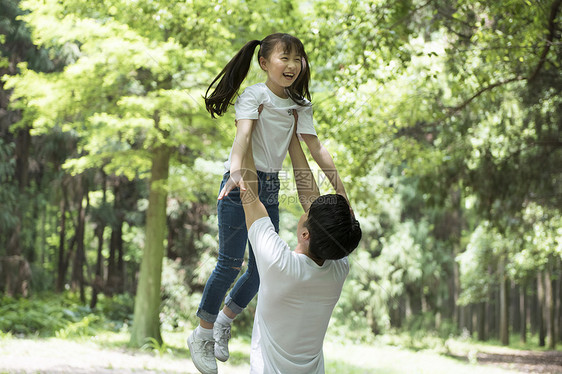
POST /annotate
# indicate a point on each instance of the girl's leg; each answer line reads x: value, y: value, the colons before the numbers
x: 232, y: 246
x: 248, y: 284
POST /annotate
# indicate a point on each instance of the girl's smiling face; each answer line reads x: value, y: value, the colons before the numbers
x: 282, y: 67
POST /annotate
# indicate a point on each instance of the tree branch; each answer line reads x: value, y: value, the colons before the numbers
x: 549, y: 39
x: 490, y: 87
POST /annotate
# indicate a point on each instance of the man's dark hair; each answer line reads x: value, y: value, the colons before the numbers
x: 334, y: 232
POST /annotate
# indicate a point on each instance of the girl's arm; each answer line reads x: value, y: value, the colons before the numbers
x: 307, y: 188
x: 325, y: 161
x: 242, y: 143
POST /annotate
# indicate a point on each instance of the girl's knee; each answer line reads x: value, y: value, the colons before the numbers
x: 229, y: 265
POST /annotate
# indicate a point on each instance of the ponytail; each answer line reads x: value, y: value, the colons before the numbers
x: 231, y: 77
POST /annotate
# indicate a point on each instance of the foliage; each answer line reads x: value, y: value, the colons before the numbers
x: 443, y: 118
x: 482, y: 253
x: 153, y: 345
x: 178, y: 302
x: 62, y: 316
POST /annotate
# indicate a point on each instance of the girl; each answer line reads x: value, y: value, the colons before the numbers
x: 264, y: 116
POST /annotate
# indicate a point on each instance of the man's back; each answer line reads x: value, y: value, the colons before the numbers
x: 295, y: 302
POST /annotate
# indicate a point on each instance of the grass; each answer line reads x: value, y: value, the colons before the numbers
x: 532, y: 344
x: 345, y: 352
x: 381, y: 358
x: 393, y: 360
x: 342, y: 356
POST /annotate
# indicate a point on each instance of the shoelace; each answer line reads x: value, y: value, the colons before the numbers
x: 225, y: 333
x: 208, y: 351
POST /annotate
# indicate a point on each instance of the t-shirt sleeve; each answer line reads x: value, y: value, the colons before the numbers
x: 246, y: 106
x: 305, y: 123
x: 345, y: 261
x: 269, y: 248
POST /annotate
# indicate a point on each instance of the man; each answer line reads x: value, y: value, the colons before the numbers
x: 298, y: 289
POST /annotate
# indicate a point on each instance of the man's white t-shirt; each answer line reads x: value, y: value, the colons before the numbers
x: 275, y: 125
x: 295, y: 302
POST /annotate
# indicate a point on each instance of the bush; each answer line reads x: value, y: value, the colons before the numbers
x: 34, y: 316
x: 62, y: 315
x: 118, y: 308
x: 179, y: 305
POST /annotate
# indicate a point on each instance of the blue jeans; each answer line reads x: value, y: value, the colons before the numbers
x: 233, y: 237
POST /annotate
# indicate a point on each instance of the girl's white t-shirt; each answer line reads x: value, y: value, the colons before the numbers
x: 295, y: 302
x: 275, y: 125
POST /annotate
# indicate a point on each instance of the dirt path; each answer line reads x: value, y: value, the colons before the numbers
x: 549, y: 362
x: 56, y: 356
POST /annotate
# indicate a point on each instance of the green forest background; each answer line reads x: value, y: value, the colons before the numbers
x: 444, y: 119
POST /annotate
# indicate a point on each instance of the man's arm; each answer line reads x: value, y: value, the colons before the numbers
x: 253, y: 207
x: 306, y: 184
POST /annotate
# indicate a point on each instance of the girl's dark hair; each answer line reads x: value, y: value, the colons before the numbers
x: 334, y: 232
x: 234, y: 73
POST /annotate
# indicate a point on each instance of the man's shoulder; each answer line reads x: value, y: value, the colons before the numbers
x: 262, y: 223
x: 343, y: 265
x: 262, y: 227
x: 266, y: 243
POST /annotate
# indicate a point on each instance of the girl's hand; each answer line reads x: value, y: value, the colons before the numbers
x: 235, y: 180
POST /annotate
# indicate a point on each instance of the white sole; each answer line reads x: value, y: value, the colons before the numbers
x: 189, y: 342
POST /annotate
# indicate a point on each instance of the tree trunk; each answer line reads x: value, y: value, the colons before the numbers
x: 115, y: 240
x: 146, y: 323
x: 61, y: 266
x: 523, y: 309
x: 541, y: 310
x: 504, y: 305
x: 533, y: 305
x: 97, y: 285
x: 514, y: 310
x: 19, y: 281
x: 14, y: 275
x: 549, y: 307
x: 112, y: 266
x: 490, y: 316
x: 455, y: 285
x: 43, y: 235
x: 482, y: 321
x: 120, y: 285
x: 80, y: 257
x: 414, y: 295
x: 474, y: 320
x: 23, y: 145
x: 558, y: 300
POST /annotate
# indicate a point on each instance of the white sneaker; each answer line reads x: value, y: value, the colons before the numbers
x: 221, y: 333
x: 202, y: 354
